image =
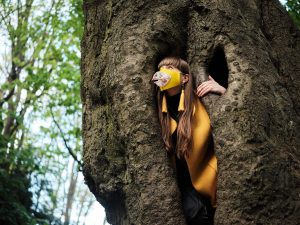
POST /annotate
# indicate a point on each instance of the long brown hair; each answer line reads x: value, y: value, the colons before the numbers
x: 184, y: 131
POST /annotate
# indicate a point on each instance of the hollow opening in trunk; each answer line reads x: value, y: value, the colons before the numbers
x: 170, y: 49
x: 217, y: 66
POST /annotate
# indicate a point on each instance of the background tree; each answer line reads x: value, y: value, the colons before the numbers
x: 252, y: 47
x: 40, y: 112
x: 293, y: 7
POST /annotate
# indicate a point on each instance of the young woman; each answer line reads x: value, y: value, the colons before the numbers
x: 186, y: 133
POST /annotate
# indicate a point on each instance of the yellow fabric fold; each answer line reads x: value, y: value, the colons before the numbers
x: 181, y: 101
x: 202, y: 162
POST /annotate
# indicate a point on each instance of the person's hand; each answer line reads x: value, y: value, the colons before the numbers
x: 210, y: 86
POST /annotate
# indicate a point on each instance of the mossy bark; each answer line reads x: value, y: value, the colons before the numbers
x: 250, y: 46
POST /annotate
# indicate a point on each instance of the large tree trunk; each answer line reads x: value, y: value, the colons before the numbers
x: 250, y: 46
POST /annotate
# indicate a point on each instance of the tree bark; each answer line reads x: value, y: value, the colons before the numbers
x: 252, y: 47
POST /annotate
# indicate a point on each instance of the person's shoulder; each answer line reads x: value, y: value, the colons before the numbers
x: 200, y: 109
x: 198, y: 102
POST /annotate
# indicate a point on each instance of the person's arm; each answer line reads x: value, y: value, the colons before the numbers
x: 210, y: 86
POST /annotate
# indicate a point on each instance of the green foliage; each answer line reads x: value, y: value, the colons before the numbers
x: 15, y: 198
x: 42, y: 72
x: 293, y: 7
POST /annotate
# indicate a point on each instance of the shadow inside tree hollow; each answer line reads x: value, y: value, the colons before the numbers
x: 217, y: 66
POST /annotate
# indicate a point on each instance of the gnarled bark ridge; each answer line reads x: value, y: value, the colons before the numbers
x: 250, y: 46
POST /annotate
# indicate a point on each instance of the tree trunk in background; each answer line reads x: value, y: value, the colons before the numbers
x: 71, y: 193
x: 250, y: 46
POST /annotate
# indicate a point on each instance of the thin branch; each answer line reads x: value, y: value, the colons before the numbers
x: 81, y: 204
x: 88, y: 209
x: 65, y: 141
x: 5, y: 16
x: 42, y: 37
x: 6, y: 98
x: 22, y: 112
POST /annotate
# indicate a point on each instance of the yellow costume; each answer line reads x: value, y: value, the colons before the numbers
x: 202, y: 162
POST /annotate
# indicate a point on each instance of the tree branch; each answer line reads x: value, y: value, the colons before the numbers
x: 66, y: 142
